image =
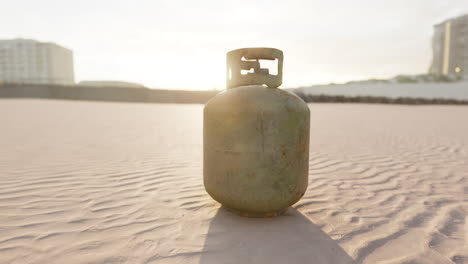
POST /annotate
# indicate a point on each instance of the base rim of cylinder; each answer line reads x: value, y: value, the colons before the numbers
x: 255, y: 214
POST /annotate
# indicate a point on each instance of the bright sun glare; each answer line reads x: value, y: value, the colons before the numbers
x: 183, y: 44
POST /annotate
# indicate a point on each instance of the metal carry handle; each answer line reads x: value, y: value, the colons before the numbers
x: 247, y: 59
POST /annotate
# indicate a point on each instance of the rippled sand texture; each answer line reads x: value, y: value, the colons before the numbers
x: 92, y: 182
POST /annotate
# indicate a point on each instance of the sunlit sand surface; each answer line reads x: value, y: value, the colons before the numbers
x: 93, y: 182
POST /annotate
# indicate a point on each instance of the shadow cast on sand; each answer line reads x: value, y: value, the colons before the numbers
x: 290, y: 238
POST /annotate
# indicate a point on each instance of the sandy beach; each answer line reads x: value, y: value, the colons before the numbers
x: 94, y: 182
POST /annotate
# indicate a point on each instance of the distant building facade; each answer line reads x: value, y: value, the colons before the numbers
x: 30, y: 61
x: 450, y: 47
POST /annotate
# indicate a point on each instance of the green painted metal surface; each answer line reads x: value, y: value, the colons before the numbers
x: 256, y: 149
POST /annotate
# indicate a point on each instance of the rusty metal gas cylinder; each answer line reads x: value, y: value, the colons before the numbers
x: 255, y: 138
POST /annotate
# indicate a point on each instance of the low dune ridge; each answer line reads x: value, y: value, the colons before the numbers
x: 95, y: 182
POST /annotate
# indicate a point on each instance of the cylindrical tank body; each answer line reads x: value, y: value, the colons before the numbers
x: 256, y: 149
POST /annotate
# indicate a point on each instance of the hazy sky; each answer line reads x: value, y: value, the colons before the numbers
x: 182, y: 44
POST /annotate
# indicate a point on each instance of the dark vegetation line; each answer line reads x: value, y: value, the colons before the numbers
x: 143, y: 95
x: 378, y: 100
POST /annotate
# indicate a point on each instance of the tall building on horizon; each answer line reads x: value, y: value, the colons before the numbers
x: 450, y: 47
x: 31, y: 61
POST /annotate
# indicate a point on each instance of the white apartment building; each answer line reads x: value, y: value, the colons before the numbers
x: 30, y: 61
x: 450, y: 47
